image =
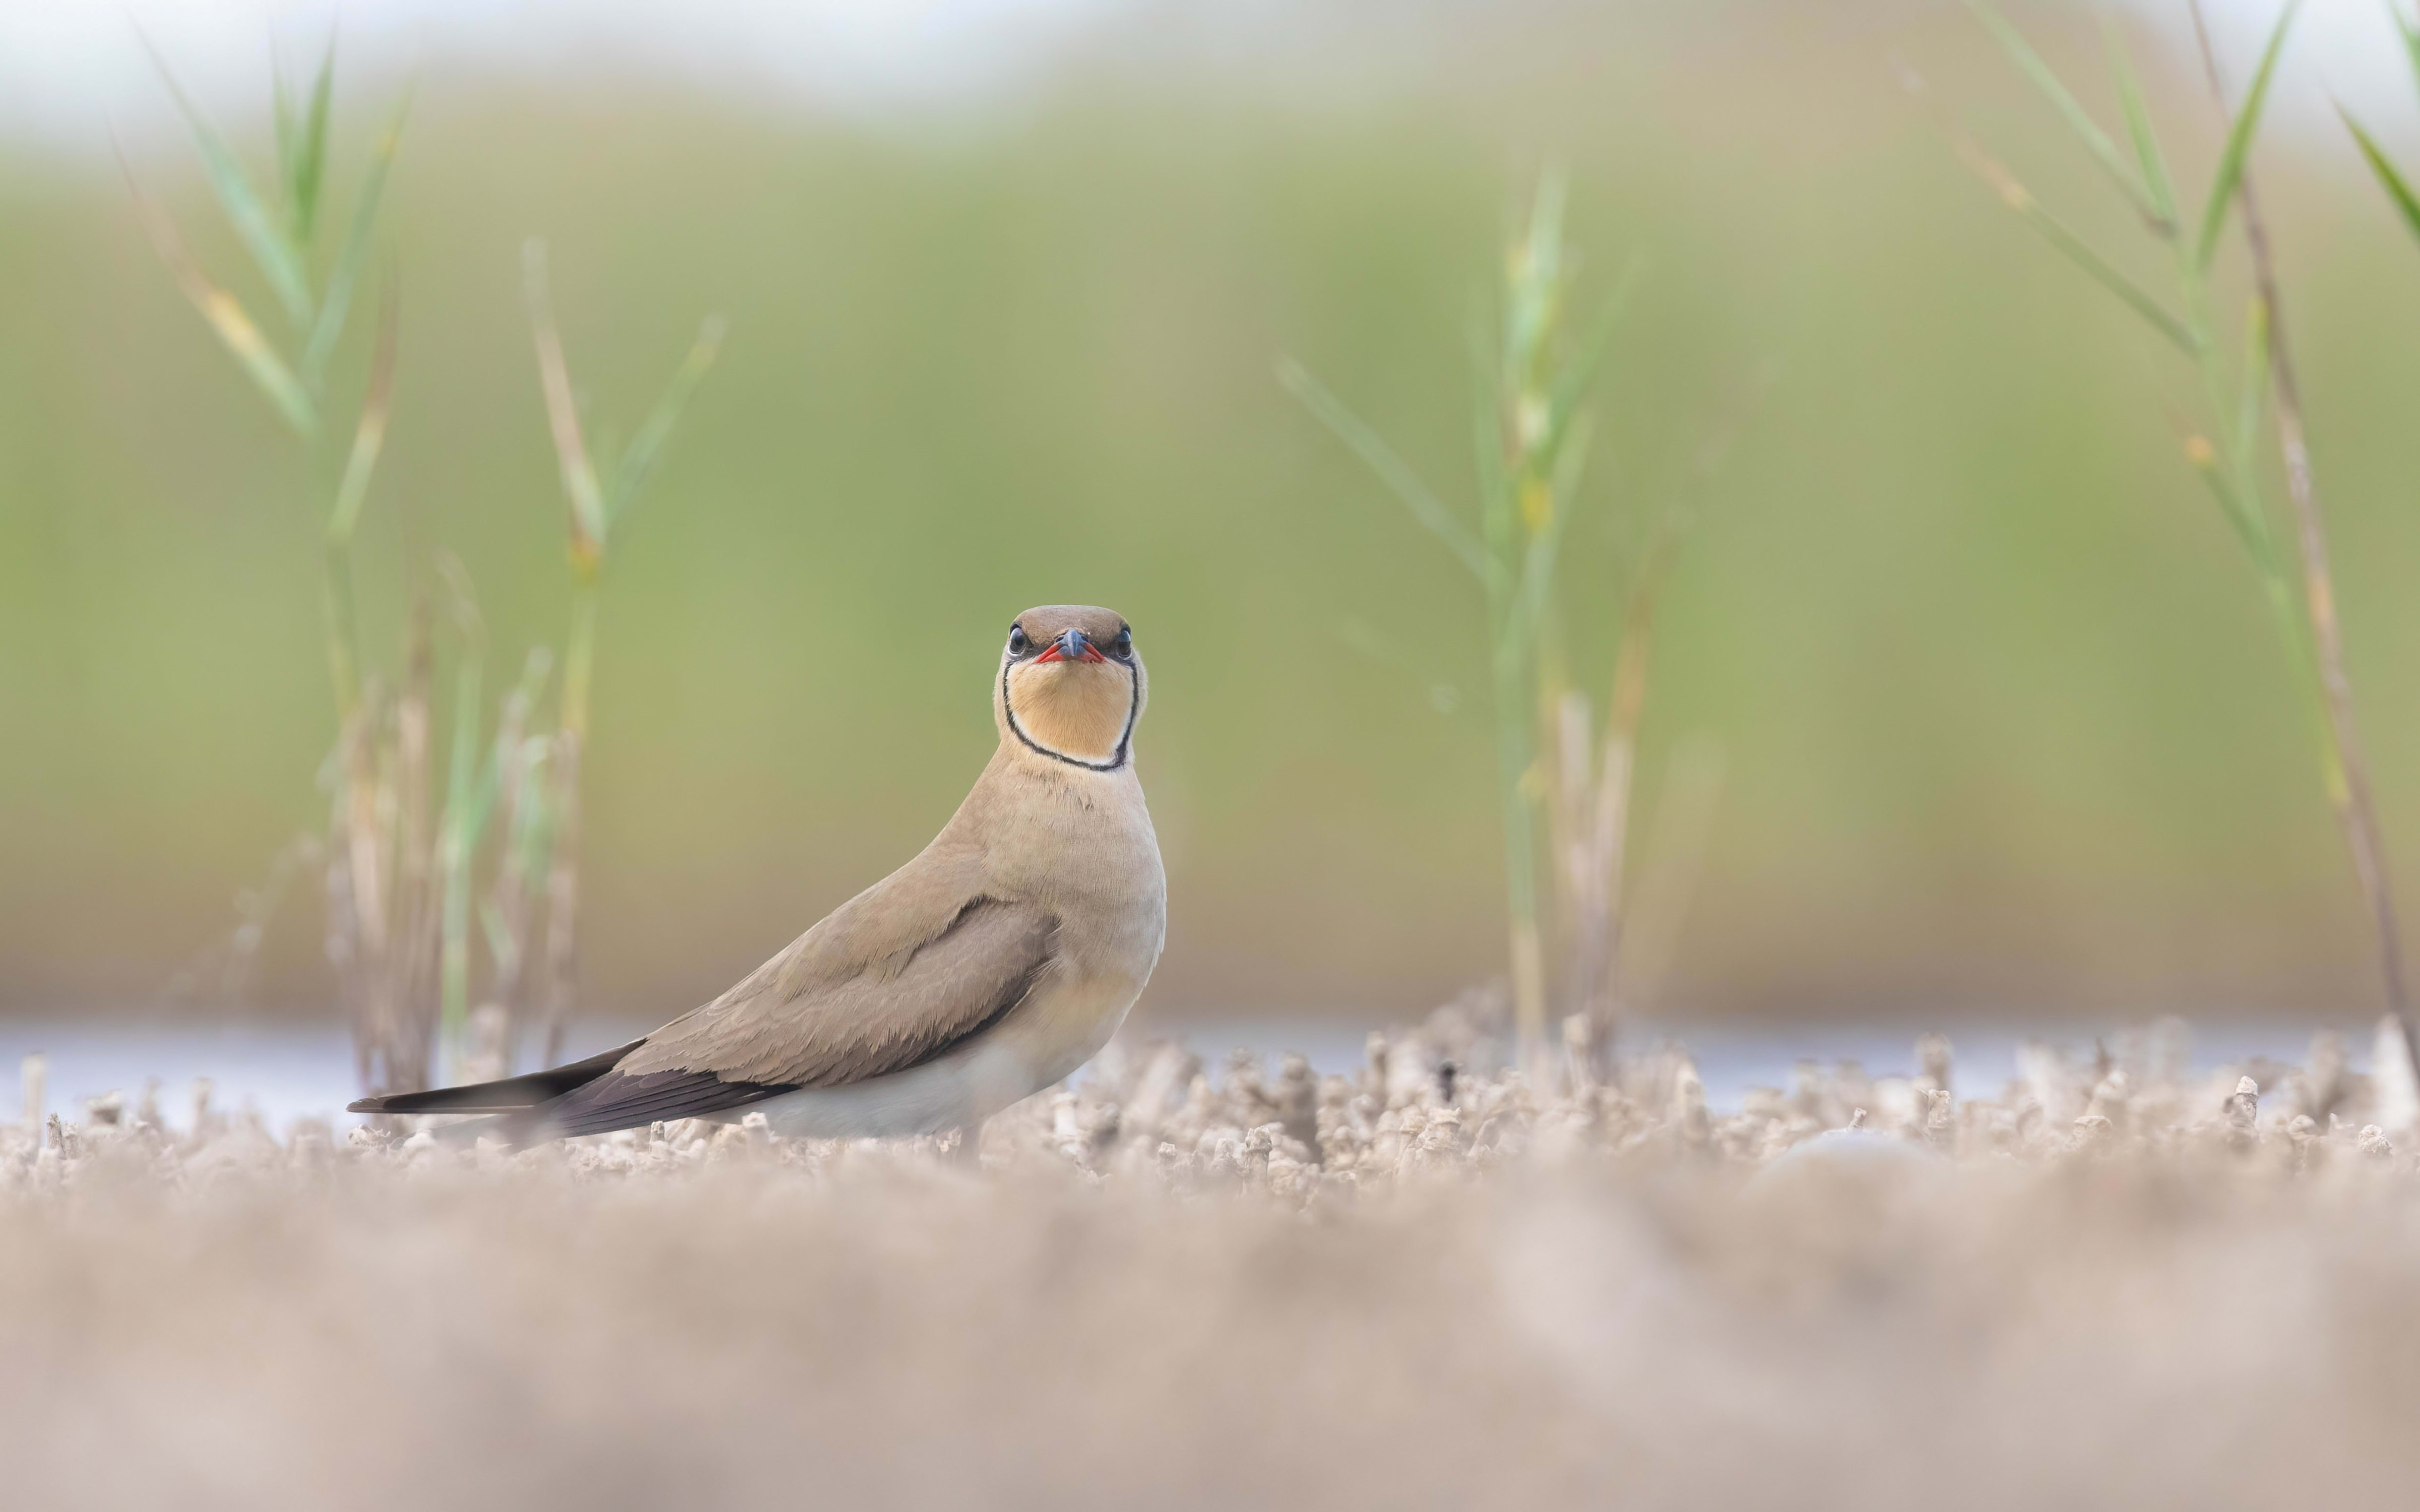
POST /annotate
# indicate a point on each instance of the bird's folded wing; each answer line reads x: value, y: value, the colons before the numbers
x: 616, y: 1100
x: 767, y: 1037
x: 831, y: 1021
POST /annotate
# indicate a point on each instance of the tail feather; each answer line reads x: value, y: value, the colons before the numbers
x: 514, y: 1094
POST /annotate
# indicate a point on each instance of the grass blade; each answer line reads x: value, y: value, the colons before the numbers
x: 468, y: 789
x: 281, y: 100
x: 2239, y: 141
x: 369, y: 434
x: 1487, y: 440
x: 309, y: 160
x: 532, y: 832
x: 2239, y: 510
x: 338, y: 305
x: 1487, y: 453
x: 2017, y: 197
x: 2254, y: 393
x: 2138, y: 125
x: 471, y: 781
x: 2398, y: 188
x: 1578, y: 376
x: 1545, y: 547
x: 245, y: 212
x: 2096, y: 141
x: 226, y: 315
x: 1382, y: 459
x: 639, y: 458
x: 1534, y: 281
x: 1528, y: 611
x: 578, y: 470
x: 2103, y: 271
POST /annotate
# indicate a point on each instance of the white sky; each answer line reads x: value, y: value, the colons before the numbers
x: 73, y: 70
x: 70, y: 68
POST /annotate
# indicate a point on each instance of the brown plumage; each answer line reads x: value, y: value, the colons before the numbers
x: 989, y: 966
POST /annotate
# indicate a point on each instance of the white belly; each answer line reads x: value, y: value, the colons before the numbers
x: 1043, y: 1040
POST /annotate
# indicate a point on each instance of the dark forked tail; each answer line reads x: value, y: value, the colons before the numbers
x: 586, y: 1096
x: 514, y: 1094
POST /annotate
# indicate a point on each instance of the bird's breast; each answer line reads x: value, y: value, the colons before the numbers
x: 1082, y: 845
x: 1084, y: 849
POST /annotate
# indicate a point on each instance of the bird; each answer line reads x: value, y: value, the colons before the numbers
x: 991, y: 965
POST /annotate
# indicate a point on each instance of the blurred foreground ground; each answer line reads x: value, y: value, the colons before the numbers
x: 2115, y: 1285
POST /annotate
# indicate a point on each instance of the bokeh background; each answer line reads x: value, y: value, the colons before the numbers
x: 2006, y: 732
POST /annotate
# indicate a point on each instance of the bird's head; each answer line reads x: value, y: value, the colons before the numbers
x: 1071, y: 686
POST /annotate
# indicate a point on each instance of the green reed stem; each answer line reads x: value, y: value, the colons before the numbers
x: 580, y: 658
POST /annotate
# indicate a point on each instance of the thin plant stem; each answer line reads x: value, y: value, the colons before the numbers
x: 415, y: 863
x: 2304, y: 606
x: 563, y: 879
x: 520, y: 806
x: 595, y: 498
x: 1530, y: 442
x: 457, y: 832
x: 580, y: 658
x: 364, y: 893
x: 382, y: 909
x: 1598, y: 967
x: 339, y: 938
x: 1512, y: 764
x: 2348, y: 786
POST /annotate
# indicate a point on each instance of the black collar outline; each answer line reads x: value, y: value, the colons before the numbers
x: 1117, y: 758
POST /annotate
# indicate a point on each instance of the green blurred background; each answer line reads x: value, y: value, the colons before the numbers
x: 2006, y: 730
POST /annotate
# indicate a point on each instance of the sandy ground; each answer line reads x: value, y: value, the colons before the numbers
x: 2105, y: 1286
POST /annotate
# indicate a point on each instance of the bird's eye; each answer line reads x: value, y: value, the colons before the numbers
x: 1122, y: 647
x: 1017, y: 640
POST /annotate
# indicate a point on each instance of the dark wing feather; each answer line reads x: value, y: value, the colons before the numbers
x: 510, y: 1095
x: 618, y: 1102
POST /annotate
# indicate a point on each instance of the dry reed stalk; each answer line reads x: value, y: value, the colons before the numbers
x: 508, y: 909
x: 376, y: 904
x: 595, y: 498
x: 1596, y: 809
x: 1593, y: 808
x: 340, y: 929
x: 414, y: 918
x: 522, y: 826
x: 366, y: 888
x: 464, y: 814
x: 229, y: 962
x: 1590, y: 823
x: 2302, y: 603
x: 399, y: 867
x: 586, y: 525
x: 1657, y: 901
x: 562, y: 893
x: 2349, y: 785
x: 1570, y: 827
x: 255, y: 909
